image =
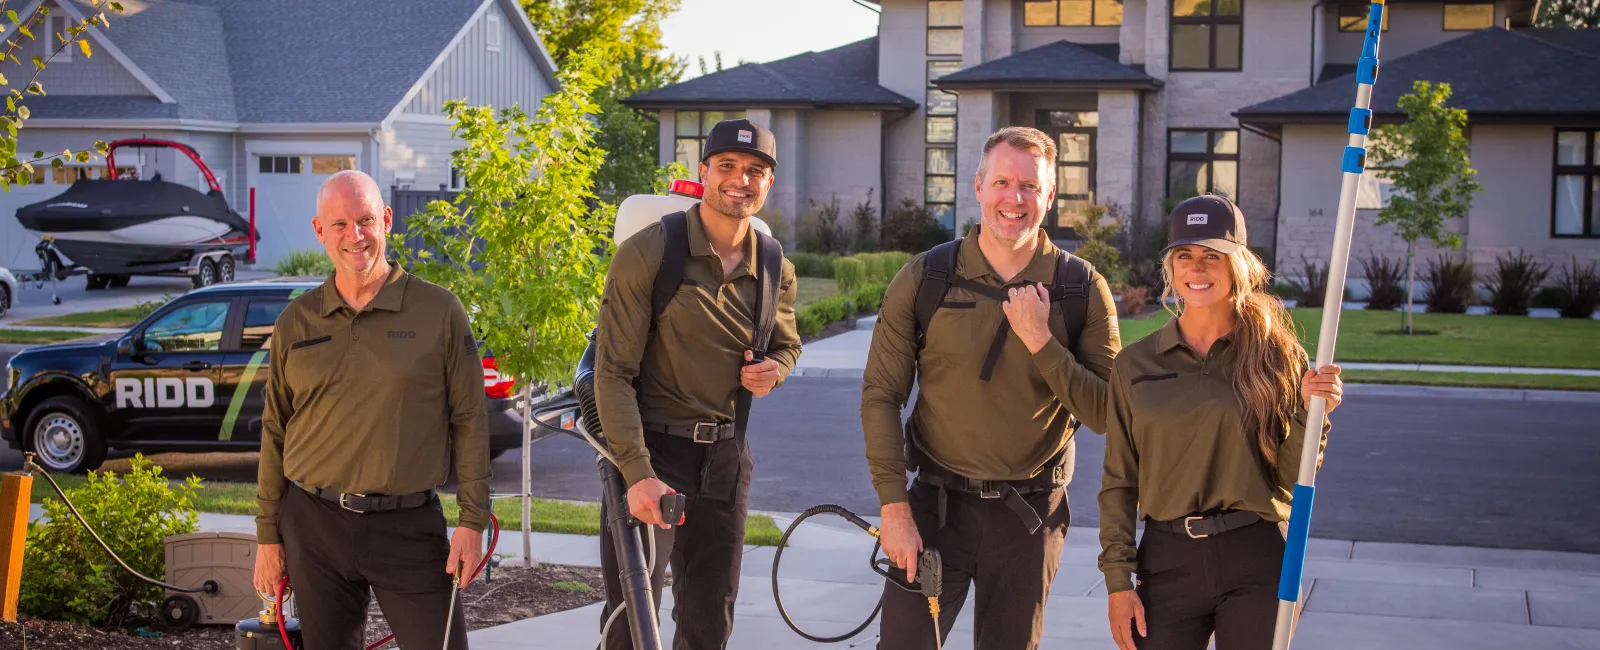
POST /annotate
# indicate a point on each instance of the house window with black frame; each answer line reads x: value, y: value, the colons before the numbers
x: 944, y: 27
x: 690, y: 138
x: 280, y: 164
x: 1576, y: 212
x: 1353, y: 17
x: 1202, y: 161
x: 1071, y: 13
x: 1074, y: 133
x: 939, y: 192
x: 1207, y: 34
x: 1462, y: 17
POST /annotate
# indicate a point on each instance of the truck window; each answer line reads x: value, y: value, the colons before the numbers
x: 195, y: 327
x: 258, y: 320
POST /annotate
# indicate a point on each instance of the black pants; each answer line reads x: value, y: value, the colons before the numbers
x: 1225, y: 584
x: 705, y: 553
x: 337, y: 559
x: 985, y: 544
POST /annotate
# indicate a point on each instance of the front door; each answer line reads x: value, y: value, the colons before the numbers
x: 1074, y: 133
x: 167, y: 389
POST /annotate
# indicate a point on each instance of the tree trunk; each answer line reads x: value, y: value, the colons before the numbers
x: 1411, y: 281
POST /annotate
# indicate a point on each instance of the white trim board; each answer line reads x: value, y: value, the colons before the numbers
x: 115, y: 52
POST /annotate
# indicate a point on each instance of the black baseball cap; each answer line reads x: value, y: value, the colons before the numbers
x: 744, y: 136
x: 1209, y: 220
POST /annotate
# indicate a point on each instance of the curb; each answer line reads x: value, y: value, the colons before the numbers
x: 1447, y: 392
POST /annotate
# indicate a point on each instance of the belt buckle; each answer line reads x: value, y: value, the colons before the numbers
x: 711, y: 434
x: 344, y: 495
x: 987, y: 490
x: 1190, y: 532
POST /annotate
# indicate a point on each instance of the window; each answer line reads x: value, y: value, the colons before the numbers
x: 1468, y: 17
x: 70, y: 174
x: 58, y: 26
x: 1374, y: 190
x: 191, y: 328
x: 1576, y: 212
x: 1202, y: 162
x: 280, y: 164
x: 458, y: 181
x: 1207, y: 34
x: 939, y: 180
x: 944, y: 27
x: 258, y: 320
x: 940, y: 102
x: 332, y: 164
x: 692, y: 128
x: 492, y: 33
x: 1353, y: 17
x: 1065, y: 13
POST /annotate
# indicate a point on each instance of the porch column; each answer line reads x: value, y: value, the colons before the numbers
x: 1117, y: 149
x: 978, y: 118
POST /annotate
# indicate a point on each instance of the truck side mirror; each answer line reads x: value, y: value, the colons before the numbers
x: 125, y: 347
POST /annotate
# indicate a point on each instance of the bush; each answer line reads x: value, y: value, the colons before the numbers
x: 849, y: 273
x: 1284, y: 290
x: 143, y: 308
x: 1096, y: 247
x: 812, y: 265
x: 1313, y: 283
x: 819, y: 229
x: 304, y: 262
x: 811, y: 318
x: 782, y: 230
x: 1450, y: 285
x: 1140, y: 242
x: 70, y: 578
x: 882, y: 267
x: 869, y: 297
x: 1514, y: 282
x: 1549, y: 297
x: 1580, y: 287
x: 1133, y: 300
x: 864, y: 221
x: 910, y: 227
x: 1385, y: 280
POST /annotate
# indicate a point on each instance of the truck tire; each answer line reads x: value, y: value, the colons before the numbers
x: 120, y: 281
x: 64, y: 436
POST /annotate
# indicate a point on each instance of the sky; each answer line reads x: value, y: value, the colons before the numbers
x: 762, y: 30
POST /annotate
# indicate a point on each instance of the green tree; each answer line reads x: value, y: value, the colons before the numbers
x: 1577, y: 14
x: 1428, y: 158
x: 16, y: 171
x: 1097, y: 247
x: 627, y: 38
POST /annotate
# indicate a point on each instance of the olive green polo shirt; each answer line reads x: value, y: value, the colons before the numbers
x: 688, y: 369
x: 386, y: 400
x: 1177, y: 446
x: 1006, y: 428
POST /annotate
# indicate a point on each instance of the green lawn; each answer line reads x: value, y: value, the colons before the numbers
x: 812, y: 290
x: 1455, y: 339
x: 118, y: 317
x: 30, y: 337
x: 1472, y: 379
x: 548, y: 516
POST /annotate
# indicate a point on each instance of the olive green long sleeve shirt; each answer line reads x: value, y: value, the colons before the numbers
x: 688, y: 368
x: 386, y: 400
x: 1177, y: 446
x: 1006, y: 428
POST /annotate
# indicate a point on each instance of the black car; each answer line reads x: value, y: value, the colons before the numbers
x: 187, y: 378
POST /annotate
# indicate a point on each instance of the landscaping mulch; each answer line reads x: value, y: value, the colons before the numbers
x: 515, y: 594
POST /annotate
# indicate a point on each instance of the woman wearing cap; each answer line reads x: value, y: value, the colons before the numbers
x: 1207, y: 421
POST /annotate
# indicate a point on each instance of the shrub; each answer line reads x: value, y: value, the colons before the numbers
x: 1133, y: 300
x: 869, y: 297
x: 864, y: 221
x: 143, y: 308
x: 910, y: 227
x: 70, y: 578
x: 1580, y: 287
x: 812, y: 265
x: 1385, y: 278
x: 1139, y: 242
x: 1313, y: 283
x: 849, y: 273
x: 782, y: 230
x: 1550, y: 297
x: 1096, y: 246
x: 811, y: 318
x: 304, y: 262
x: 819, y: 229
x: 1450, y: 285
x: 1514, y: 282
x: 890, y: 262
x: 1284, y: 290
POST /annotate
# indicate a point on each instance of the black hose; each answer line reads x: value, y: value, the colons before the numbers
x: 210, y: 587
x: 778, y: 557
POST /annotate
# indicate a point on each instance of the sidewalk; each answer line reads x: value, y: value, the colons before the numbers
x: 1370, y: 595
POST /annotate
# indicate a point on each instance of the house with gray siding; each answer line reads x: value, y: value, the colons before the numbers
x: 275, y: 96
x: 1155, y: 100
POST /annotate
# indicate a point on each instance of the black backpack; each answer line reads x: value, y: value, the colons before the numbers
x: 769, y: 273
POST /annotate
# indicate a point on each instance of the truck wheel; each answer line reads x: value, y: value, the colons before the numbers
x: 65, y: 436
x: 120, y: 281
x: 225, y: 269
x: 96, y: 282
x: 206, y: 275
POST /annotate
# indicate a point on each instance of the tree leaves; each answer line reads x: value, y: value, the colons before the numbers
x: 83, y: 44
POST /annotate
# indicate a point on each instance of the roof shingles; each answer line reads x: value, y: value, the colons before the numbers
x: 846, y: 76
x: 1059, y: 64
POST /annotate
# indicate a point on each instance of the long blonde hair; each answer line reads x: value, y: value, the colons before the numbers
x: 1270, y: 361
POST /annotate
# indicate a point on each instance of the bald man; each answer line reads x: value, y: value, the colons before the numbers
x: 374, y: 394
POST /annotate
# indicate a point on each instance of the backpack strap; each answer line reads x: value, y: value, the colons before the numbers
x: 769, y: 274
x: 938, y: 269
x: 1071, y: 289
x: 674, y: 257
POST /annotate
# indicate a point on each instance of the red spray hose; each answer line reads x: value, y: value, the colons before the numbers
x: 494, y: 540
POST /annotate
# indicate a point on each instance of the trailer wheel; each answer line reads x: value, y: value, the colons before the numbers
x: 120, y: 281
x: 206, y: 275
x: 5, y: 299
x: 225, y: 268
x: 96, y: 282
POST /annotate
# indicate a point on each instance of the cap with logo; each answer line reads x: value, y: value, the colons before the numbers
x: 1211, y: 221
x: 743, y: 136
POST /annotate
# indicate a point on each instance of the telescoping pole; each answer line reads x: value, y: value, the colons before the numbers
x: 1355, y: 161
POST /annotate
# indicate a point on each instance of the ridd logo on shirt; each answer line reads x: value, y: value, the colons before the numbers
x: 395, y: 334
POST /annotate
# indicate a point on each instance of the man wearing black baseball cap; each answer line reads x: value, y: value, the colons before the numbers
x: 673, y: 387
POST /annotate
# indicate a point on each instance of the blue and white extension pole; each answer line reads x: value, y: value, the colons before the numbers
x: 1355, y: 161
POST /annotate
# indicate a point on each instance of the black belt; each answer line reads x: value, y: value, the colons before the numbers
x: 701, y: 432
x: 363, y: 503
x: 1008, y: 492
x: 1199, y: 526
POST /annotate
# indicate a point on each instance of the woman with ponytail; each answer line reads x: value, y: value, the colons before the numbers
x: 1207, y: 417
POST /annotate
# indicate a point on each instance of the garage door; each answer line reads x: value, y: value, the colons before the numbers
x: 286, y: 200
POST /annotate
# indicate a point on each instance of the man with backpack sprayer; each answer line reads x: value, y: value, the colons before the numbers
x: 1010, y: 341
x: 697, y: 318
